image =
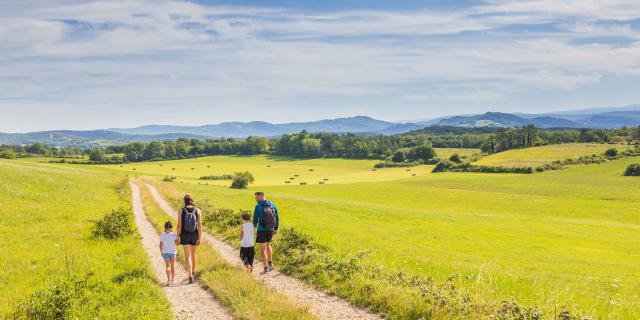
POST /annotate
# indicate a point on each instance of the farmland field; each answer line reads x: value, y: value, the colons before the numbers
x: 556, y: 239
x: 537, y: 156
x: 46, y: 238
x: 275, y: 170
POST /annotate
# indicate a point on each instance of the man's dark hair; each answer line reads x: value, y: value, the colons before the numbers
x: 246, y: 216
x: 259, y: 193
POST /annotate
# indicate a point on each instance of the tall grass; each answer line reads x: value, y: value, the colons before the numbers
x: 52, y: 266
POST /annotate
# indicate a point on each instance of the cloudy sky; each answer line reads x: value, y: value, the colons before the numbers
x: 88, y: 64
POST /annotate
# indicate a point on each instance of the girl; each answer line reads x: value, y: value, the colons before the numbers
x: 190, y: 232
x: 168, y: 242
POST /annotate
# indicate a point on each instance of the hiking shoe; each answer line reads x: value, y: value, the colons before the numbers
x: 190, y: 279
x: 271, y: 267
x: 265, y: 271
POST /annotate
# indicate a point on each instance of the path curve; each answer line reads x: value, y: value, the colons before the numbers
x: 188, y: 301
x: 322, y: 305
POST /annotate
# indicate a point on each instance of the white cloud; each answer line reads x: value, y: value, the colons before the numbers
x: 148, y: 52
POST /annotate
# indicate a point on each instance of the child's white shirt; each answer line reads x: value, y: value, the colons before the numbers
x: 247, y: 235
x: 169, y: 243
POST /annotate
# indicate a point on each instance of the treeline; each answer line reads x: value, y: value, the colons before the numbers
x: 395, y: 148
x: 39, y: 149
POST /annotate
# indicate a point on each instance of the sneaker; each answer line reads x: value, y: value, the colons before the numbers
x: 266, y: 270
x: 190, y: 279
x: 271, y: 267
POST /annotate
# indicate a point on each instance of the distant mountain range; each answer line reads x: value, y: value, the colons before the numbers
x: 605, y: 118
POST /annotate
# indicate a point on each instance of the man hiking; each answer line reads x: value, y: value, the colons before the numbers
x: 265, y: 218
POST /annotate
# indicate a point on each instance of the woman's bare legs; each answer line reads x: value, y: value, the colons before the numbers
x: 192, y: 265
x: 187, y: 256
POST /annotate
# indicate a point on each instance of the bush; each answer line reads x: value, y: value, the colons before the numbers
x: 241, y: 180
x: 54, y: 302
x: 386, y: 164
x: 611, y: 153
x: 7, y: 154
x: 220, y: 177
x: 633, y: 170
x: 114, y: 225
x: 455, y: 158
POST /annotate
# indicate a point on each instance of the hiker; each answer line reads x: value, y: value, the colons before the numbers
x: 265, y: 218
x: 247, y: 252
x: 168, y: 242
x: 190, y: 232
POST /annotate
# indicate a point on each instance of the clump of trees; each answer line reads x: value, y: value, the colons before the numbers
x: 633, y: 170
x: 241, y: 180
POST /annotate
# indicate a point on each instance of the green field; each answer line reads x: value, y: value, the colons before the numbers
x: 45, y: 238
x: 537, y: 156
x: 558, y: 239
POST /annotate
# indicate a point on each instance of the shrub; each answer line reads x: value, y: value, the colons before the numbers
x: 442, y: 166
x: 455, y: 158
x: 220, y: 177
x: 241, y: 180
x: 399, y: 156
x: 7, y: 154
x: 633, y: 170
x: 54, y: 302
x: 611, y: 153
x: 114, y: 225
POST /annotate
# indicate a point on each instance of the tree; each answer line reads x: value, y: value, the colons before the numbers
x: 611, y: 152
x: 154, y: 151
x: 311, y: 147
x: 399, y: 156
x: 8, y: 154
x: 633, y: 170
x: 37, y: 148
x: 455, y: 158
x: 96, y: 155
x: 241, y: 180
x: 423, y: 153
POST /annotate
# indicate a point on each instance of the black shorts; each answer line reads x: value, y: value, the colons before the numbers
x: 188, y: 238
x: 264, y: 236
x: 247, y: 254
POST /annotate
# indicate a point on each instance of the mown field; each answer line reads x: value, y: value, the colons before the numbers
x: 557, y: 239
x: 47, y: 246
x: 537, y: 156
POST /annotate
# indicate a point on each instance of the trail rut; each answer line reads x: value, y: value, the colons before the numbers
x: 322, y: 305
x: 188, y: 301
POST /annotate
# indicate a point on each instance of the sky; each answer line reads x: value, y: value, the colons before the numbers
x: 100, y: 64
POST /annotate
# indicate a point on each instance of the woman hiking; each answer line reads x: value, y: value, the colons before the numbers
x: 190, y: 232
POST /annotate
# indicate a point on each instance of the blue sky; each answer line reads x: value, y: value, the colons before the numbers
x: 99, y: 64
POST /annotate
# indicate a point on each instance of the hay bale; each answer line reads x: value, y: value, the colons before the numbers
x: 303, y: 183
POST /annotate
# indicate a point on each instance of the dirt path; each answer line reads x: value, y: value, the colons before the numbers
x: 187, y: 301
x: 322, y: 305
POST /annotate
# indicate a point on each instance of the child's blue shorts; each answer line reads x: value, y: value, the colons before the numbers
x: 168, y: 256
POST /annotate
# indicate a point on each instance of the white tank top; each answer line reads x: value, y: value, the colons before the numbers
x: 247, y: 236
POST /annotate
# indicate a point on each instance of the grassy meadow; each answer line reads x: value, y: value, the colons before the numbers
x: 557, y: 239
x: 537, y: 156
x: 46, y: 239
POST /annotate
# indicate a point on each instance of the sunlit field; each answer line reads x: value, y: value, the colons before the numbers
x: 537, y: 156
x: 557, y: 239
x: 45, y: 238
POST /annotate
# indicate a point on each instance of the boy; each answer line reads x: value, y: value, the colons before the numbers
x: 247, y: 243
x: 168, y: 242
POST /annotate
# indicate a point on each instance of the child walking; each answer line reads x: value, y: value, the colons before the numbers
x: 247, y: 243
x: 168, y: 242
